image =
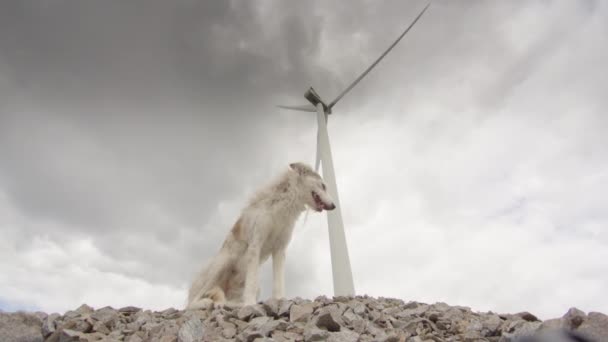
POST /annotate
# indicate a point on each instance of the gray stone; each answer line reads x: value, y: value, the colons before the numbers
x: 359, y: 308
x: 284, y: 308
x: 129, y: 310
x: 106, y: 315
x: 228, y: 329
x: 80, y: 325
x: 48, y: 325
x: 574, y: 318
x: 328, y: 319
x: 101, y: 327
x: 84, y: 309
x: 595, y: 327
x: 312, y: 333
x: 191, y: 331
x: 272, y: 307
x: 167, y: 338
x: 20, y: 327
x: 360, y: 325
x: 552, y: 324
x: 343, y: 335
x: 257, y: 322
x: 279, y: 325
x: 300, y: 313
x: 92, y: 337
x: 349, y: 316
x: 250, y: 336
x: 170, y: 313
x: 134, y: 338
x: 229, y: 332
x: 378, y: 333
x: 526, y: 316
x: 517, y: 329
x: 69, y: 335
x: 441, y: 307
x: 250, y: 311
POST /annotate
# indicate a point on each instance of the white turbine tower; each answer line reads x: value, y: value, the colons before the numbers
x: 342, y: 274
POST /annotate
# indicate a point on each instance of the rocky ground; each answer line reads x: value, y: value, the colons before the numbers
x: 324, y: 319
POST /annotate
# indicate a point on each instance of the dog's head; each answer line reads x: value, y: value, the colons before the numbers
x: 314, y: 193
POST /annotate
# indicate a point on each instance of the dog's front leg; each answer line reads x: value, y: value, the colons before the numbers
x: 251, y: 280
x: 278, y: 274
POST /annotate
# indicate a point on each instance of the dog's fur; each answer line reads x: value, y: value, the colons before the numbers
x: 263, y: 229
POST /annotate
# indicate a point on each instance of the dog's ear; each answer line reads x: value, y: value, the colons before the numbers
x: 300, y: 168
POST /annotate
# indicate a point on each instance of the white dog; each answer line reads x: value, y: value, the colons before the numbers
x: 263, y: 229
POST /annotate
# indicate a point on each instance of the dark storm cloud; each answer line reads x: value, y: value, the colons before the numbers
x: 165, y: 94
x: 142, y: 116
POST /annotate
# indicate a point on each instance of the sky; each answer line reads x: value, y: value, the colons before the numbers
x: 471, y: 163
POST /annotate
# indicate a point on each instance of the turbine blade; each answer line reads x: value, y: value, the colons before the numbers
x: 302, y: 108
x: 379, y: 59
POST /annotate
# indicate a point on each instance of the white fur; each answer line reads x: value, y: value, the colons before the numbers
x: 263, y: 229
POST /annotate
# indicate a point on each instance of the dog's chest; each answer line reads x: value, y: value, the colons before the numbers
x: 277, y: 238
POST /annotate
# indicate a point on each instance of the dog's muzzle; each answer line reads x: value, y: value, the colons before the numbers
x: 320, y: 205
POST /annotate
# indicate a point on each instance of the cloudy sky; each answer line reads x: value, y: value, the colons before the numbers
x: 472, y: 163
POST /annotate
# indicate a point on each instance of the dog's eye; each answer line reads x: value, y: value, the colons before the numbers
x: 323, y: 187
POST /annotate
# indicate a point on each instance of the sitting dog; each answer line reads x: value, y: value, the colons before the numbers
x: 264, y: 228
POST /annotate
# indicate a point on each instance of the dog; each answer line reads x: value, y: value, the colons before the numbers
x: 263, y: 229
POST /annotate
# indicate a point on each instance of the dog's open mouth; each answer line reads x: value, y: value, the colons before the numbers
x: 319, y: 205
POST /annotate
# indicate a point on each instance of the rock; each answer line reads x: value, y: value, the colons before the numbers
x: 328, y: 319
x: 574, y: 318
x: 92, y: 337
x: 228, y: 329
x: 312, y: 333
x: 526, y: 316
x: 517, y: 329
x: 170, y: 313
x: 595, y: 327
x: 343, y: 335
x: 129, y: 310
x: 300, y: 313
x: 191, y: 331
x: 69, y: 335
x: 84, y: 309
x: 359, y: 308
x: 250, y: 311
x: 491, y: 325
x: 349, y: 316
x: 48, y: 325
x: 272, y: 307
x: 134, y: 338
x: 284, y: 308
x: 360, y: 325
x: 106, y: 316
x: 20, y: 326
x: 168, y: 338
x: 473, y: 330
x: 267, y: 328
x: 79, y: 325
x: 250, y: 336
x: 101, y: 327
x: 257, y: 322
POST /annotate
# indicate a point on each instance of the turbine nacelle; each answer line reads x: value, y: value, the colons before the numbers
x: 314, y: 98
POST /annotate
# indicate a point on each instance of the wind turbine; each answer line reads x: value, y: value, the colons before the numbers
x: 341, y: 271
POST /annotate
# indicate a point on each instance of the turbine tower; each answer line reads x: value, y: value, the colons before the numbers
x: 341, y: 270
